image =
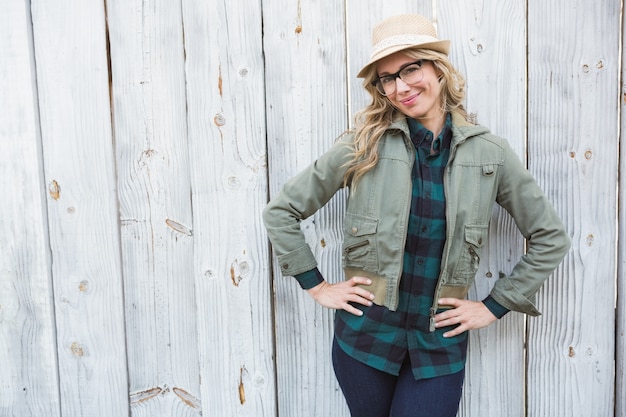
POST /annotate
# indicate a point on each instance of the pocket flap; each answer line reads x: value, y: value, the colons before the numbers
x: 358, y: 225
x: 476, y: 234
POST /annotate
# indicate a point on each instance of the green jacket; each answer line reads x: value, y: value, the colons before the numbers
x: 482, y: 169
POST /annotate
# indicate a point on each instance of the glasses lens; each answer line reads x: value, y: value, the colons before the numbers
x: 379, y: 86
x: 412, y: 74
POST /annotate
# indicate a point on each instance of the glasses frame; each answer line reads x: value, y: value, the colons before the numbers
x: 397, y: 75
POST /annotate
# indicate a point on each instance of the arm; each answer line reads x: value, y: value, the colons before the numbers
x: 300, y: 198
x: 547, y: 241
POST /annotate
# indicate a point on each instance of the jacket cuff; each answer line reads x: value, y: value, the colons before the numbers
x: 309, y: 279
x: 496, y: 308
x: 297, y: 261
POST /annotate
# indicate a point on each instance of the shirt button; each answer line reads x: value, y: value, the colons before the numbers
x: 420, y: 261
x: 285, y: 266
x: 480, y: 240
x: 424, y: 229
x: 354, y: 230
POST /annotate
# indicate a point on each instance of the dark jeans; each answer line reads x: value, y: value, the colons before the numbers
x: 373, y: 393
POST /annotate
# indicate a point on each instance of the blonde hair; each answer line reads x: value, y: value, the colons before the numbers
x: 372, y: 121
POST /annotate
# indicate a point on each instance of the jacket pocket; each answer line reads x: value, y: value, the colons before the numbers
x: 359, y: 243
x: 475, y: 238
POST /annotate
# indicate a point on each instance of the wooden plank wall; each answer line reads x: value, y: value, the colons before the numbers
x: 573, y: 70
x: 28, y: 354
x: 489, y: 48
x: 70, y: 53
x: 141, y: 140
x: 620, y: 362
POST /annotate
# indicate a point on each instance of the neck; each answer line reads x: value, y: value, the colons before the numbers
x: 434, y: 123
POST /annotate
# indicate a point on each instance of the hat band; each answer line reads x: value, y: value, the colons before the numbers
x: 407, y: 39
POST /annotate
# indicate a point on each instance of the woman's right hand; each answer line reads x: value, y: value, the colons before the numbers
x: 341, y: 294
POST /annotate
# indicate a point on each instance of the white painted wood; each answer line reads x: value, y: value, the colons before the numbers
x: 72, y: 80
x: 305, y: 56
x: 227, y: 148
x: 573, y: 72
x: 620, y: 335
x: 149, y: 113
x: 196, y: 90
x: 29, y: 384
x: 482, y: 33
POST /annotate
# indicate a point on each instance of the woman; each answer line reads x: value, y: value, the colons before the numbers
x: 423, y: 180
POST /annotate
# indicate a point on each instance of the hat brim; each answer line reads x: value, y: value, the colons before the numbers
x: 439, y: 46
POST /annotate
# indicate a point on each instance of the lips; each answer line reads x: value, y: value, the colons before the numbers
x: 409, y: 100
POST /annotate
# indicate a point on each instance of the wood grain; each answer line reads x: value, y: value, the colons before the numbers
x: 74, y: 108
x: 30, y: 385
x: 157, y: 229
x: 572, y: 145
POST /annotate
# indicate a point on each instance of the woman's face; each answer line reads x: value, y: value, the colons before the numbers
x: 421, y: 100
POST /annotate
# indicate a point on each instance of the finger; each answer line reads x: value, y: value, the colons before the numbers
x: 448, y: 315
x: 353, y: 310
x: 360, y: 300
x: 454, y: 302
x: 356, y: 280
x: 455, y: 332
x: 364, y: 293
x: 448, y: 322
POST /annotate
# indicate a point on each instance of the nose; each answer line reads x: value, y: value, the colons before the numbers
x: 401, y: 85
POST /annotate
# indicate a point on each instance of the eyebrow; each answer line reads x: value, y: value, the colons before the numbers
x: 403, y: 66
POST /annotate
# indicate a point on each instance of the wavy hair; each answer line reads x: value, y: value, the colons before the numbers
x: 372, y: 121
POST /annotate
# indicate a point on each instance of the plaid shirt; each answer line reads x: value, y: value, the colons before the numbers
x: 382, y: 338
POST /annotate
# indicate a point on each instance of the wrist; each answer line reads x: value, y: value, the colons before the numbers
x: 316, y: 290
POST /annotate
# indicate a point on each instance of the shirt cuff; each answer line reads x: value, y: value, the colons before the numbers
x: 496, y: 308
x: 309, y: 279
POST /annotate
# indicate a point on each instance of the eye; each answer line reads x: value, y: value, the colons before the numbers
x: 413, y: 67
x: 410, y: 69
x: 387, y: 80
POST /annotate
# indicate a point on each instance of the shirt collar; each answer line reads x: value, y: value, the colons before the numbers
x: 419, y: 134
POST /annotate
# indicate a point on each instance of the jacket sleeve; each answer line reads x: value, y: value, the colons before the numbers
x: 300, y: 198
x: 547, y: 241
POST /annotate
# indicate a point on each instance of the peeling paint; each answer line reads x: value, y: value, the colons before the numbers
x: 55, y: 190
x: 180, y: 228
x: 219, y: 81
x: 187, y: 398
x: 234, y: 276
x: 77, y: 349
x: 242, y: 390
x: 219, y: 120
x: 141, y: 396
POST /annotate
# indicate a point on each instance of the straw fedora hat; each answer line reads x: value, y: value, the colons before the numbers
x: 401, y: 32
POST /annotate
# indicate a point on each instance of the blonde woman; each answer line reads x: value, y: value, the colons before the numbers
x: 423, y: 181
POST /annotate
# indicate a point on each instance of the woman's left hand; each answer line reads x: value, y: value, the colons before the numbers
x: 467, y: 314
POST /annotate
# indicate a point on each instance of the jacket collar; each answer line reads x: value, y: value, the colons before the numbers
x: 461, y: 128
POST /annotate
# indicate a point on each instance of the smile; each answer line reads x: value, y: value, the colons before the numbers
x: 410, y: 100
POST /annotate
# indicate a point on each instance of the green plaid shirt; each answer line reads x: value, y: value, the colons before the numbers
x: 382, y: 338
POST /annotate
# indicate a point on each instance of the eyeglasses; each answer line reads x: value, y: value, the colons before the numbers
x: 410, y: 73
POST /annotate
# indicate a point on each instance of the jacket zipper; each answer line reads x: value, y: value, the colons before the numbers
x: 435, y: 305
